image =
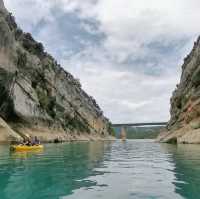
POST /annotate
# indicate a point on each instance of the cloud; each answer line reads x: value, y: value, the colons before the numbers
x: 127, y: 54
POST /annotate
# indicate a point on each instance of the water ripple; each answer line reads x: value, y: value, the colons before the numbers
x: 138, y: 169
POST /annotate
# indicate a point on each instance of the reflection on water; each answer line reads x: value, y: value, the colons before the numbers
x: 120, y: 170
x: 25, y: 154
x: 187, y: 169
x: 134, y: 169
x: 55, y: 172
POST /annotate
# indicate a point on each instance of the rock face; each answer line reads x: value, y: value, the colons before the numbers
x: 7, y: 134
x: 2, y: 5
x: 184, y: 125
x: 37, y: 95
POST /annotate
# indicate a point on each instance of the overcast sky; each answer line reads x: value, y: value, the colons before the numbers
x: 126, y: 53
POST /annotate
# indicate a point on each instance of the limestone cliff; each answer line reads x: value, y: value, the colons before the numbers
x: 37, y: 96
x: 184, y: 125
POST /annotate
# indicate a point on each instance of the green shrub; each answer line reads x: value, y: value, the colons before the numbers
x: 22, y: 59
x: 43, y: 98
x: 111, y: 130
x: 195, y: 125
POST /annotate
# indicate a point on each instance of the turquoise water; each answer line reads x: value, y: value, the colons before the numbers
x: 102, y: 170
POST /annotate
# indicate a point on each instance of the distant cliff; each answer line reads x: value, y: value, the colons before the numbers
x: 37, y: 96
x: 184, y: 125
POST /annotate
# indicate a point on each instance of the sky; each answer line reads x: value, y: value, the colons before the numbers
x: 126, y: 53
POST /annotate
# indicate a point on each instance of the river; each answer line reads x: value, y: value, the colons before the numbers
x: 135, y: 169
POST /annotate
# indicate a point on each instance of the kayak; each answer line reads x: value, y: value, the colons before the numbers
x: 26, y: 148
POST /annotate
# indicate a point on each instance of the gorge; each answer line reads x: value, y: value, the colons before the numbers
x: 56, y: 142
x: 38, y: 97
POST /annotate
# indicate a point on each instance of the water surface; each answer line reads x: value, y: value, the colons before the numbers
x: 136, y: 169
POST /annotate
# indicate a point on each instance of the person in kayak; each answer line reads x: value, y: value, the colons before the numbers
x: 36, y: 141
x: 28, y: 142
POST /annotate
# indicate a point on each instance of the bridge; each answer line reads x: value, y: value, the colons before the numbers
x: 123, y: 133
x: 141, y: 124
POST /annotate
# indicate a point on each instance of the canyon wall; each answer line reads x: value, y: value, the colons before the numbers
x: 184, y: 125
x: 37, y: 96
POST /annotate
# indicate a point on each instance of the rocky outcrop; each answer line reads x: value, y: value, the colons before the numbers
x: 184, y: 125
x: 37, y: 95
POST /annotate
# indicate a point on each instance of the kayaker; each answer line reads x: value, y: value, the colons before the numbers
x: 36, y: 141
x: 28, y: 142
x: 23, y: 142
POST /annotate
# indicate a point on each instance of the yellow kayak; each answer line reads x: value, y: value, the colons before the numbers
x: 26, y: 148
